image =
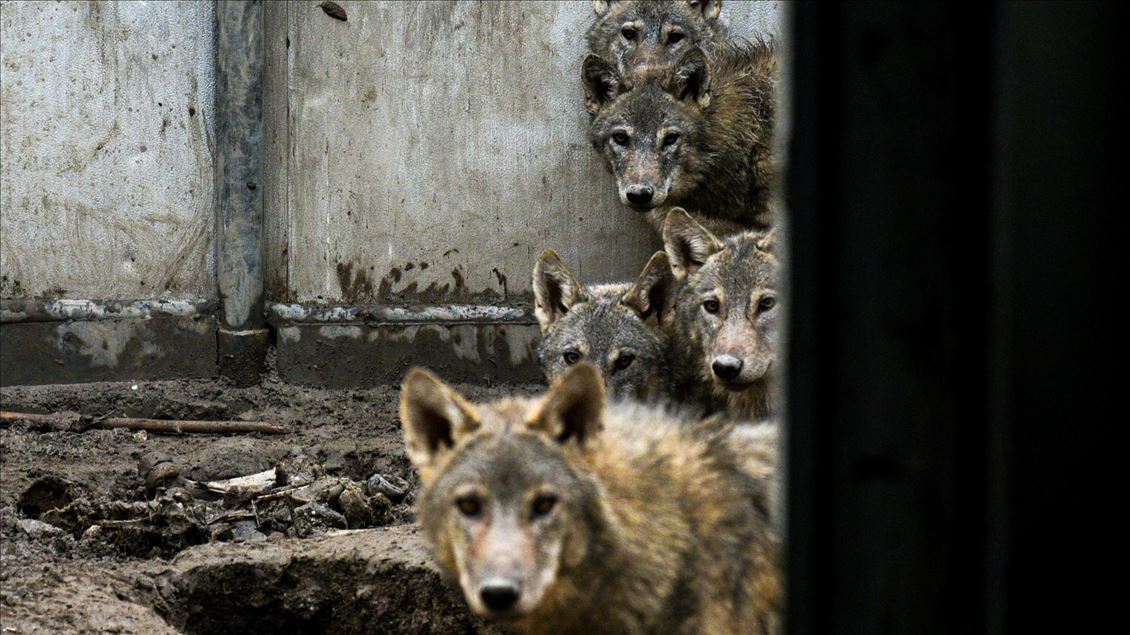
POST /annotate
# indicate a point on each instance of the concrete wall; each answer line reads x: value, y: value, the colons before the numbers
x: 105, y: 149
x: 428, y: 151
x: 417, y: 152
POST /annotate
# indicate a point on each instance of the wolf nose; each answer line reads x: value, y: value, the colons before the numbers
x: 726, y: 367
x: 499, y: 594
x: 640, y: 194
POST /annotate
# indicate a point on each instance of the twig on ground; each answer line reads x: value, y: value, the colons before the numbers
x: 168, y: 426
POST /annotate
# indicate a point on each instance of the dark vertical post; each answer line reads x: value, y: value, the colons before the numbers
x: 888, y: 189
x: 1058, y: 357
x: 243, y: 334
x: 952, y: 323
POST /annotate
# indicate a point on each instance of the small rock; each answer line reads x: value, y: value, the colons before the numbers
x: 38, y: 529
x: 356, y: 507
x: 246, y: 531
x: 220, y: 532
x: 157, y: 471
x: 394, y: 488
x: 315, y: 518
x: 93, y: 532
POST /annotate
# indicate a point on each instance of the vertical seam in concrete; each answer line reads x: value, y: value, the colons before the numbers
x: 286, y: 154
x: 240, y: 149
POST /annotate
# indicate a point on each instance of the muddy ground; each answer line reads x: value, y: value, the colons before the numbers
x: 91, y: 542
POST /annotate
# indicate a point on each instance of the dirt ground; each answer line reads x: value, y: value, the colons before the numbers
x: 94, y: 538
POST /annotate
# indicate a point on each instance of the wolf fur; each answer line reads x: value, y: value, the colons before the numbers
x: 700, y: 137
x: 724, y: 325
x: 592, y: 518
x: 612, y: 326
x: 644, y: 38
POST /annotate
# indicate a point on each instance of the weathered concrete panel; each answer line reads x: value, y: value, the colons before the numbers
x: 435, y: 148
x: 107, y: 350
x: 105, y: 150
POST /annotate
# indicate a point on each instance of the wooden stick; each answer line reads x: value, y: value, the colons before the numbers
x: 170, y: 426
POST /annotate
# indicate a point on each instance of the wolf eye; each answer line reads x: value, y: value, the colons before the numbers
x: 628, y: 32
x: 670, y: 139
x: 571, y: 357
x: 469, y: 506
x: 711, y: 306
x: 543, y: 505
x: 766, y: 303
x: 621, y: 138
x: 674, y: 37
x: 624, y: 361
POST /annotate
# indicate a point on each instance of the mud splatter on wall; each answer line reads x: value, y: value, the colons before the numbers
x: 105, y: 149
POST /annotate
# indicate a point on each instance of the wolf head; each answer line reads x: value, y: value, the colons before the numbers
x: 654, y: 138
x: 614, y: 327
x: 726, y: 310
x: 642, y: 38
x: 506, y: 510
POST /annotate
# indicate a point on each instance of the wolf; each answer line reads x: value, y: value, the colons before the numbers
x: 613, y: 326
x: 699, y: 137
x: 724, y: 325
x: 642, y: 38
x: 564, y: 514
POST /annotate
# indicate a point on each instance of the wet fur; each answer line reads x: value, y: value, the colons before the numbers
x: 649, y: 54
x: 724, y: 169
x: 738, y: 266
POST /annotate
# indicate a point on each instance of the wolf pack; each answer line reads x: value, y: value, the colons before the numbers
x: 640, y: 492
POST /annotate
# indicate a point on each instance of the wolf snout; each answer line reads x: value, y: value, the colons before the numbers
x: 640, y: 195
x: 499, y: 594
x: 726, y: 367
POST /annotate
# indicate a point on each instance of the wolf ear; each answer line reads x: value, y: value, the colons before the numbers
x: 434, y: 418
x: 556, y: 290
x: 688, y: 244
x: 652, y: 293
x: 573, y: 408
x: 768, y: 241
x: 690, y: 78
x: 601, y: 82
x: 600, y: 7
x: 710, y: 8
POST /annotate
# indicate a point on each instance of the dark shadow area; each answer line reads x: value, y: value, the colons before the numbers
x: 952, y: 337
